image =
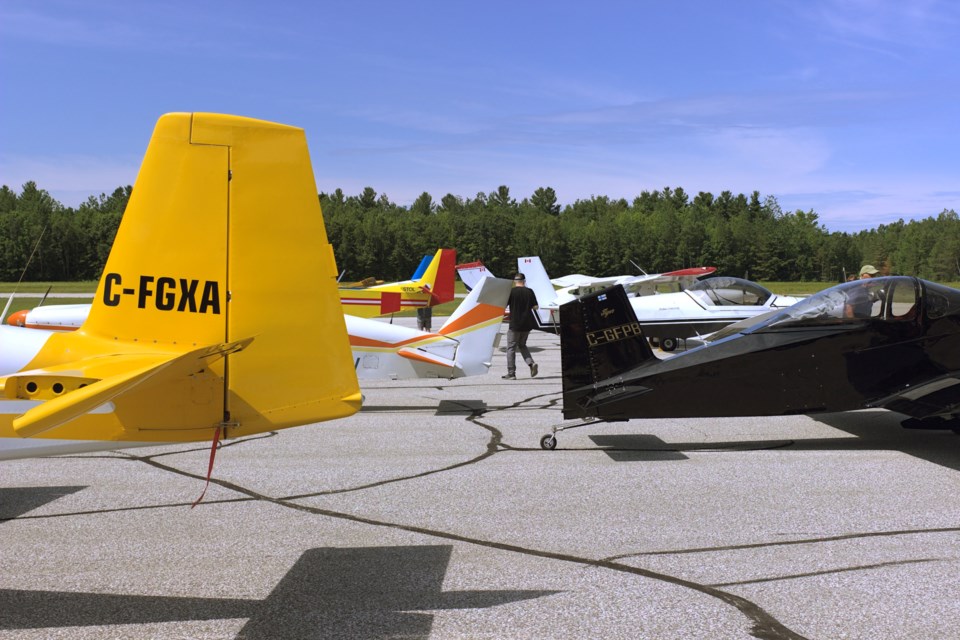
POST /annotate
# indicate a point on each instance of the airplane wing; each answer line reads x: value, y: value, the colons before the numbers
x: 939, y: 397
x: 647, y: 284
x: 578, y: 284
x: 575, y: 279
x: 360, y: 284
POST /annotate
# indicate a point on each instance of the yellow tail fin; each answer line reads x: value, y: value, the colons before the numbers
x: 223, y: 222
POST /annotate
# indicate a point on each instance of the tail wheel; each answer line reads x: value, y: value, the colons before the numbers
x: 548, y: 442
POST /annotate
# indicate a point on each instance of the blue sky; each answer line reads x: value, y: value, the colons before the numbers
x: 847, y: 108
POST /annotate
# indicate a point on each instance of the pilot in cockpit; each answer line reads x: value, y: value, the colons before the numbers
x: 860, y: 300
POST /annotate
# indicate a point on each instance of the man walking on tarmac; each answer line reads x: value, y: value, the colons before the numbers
x: 523, y: 304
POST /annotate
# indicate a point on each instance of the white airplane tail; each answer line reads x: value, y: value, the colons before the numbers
x: 476, y: 325
x: 539, y: 281
x: 472, y: 273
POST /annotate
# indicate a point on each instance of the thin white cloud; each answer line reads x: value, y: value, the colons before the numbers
x: 886, y: 26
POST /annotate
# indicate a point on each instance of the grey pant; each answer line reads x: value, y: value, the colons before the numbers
x: 517, y: 340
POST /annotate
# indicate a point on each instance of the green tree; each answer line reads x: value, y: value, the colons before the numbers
x: 544, y: 200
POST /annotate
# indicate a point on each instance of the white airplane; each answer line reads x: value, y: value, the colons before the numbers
x: 463, y: 346
x: 707, y: 306
x: 702, y: 307
x: 182, y: 343
x: 575, y: 285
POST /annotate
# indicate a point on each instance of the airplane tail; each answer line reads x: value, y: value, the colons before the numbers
x: 539, y: 281
x: 471, y: 273
x: 215, y: 232
x: 422, y: 267
x: 439, y: 276
x: 476, y: 325
x: 600, y: 338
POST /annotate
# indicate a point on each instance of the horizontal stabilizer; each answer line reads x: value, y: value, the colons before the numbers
x: 424, y: 356
x: 82, y: 400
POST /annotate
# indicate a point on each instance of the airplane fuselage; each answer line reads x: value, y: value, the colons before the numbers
x: 792, y: 368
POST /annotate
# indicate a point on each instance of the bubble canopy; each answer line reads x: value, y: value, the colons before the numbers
x: 889, y: 299
x: 727, y: 291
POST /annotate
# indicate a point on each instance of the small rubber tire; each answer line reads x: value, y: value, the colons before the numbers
x: 668, y: 344
x: 548, y: 442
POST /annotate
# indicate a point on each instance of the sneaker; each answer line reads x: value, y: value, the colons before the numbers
x: 509, y: 376
x: 534, y: 369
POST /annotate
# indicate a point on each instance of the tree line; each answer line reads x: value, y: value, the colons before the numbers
x: 744, y: 236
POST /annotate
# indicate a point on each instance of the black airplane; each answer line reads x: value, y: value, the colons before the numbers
x: 891, y: 343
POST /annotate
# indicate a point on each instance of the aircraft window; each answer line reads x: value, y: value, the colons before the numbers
x: 903, y: 300
x: 705, y: 298
x: 861, y: 299
x: 865, y: 300
x: 941, y: 300
x: 729, y: 291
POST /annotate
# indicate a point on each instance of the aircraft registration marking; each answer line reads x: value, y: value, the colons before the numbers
x: 166, y: 293
x: 614, y: 334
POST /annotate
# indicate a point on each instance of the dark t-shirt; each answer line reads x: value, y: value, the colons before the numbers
x: 522, y: 301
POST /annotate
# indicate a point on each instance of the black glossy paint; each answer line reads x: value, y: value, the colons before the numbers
x: 905, y: 358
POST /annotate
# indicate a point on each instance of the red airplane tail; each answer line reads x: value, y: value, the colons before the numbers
x: 440, y: 276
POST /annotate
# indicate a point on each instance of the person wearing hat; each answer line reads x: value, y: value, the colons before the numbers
x: 860, y: 300
x: 523, y: 304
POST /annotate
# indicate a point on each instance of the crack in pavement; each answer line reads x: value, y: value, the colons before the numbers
x: 763, y: 625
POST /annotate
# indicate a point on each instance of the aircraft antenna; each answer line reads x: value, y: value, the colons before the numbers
x: 22, y: 274
x: 638, y: 267
x: 45, y: 294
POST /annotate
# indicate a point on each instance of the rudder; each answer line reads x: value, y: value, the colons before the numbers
x: 439, y: 277
x: 538, y: 280
x: 475, y: 324
x: 600, y: 338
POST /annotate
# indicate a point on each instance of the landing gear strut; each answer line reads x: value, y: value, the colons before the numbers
x: 549, y: 441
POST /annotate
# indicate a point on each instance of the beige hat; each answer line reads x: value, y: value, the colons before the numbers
x: 868, y: 269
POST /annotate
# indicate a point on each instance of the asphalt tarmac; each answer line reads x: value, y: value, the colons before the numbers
x: 434, y: 513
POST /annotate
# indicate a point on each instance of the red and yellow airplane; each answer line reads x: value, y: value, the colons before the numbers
x: 182, y: 342
x: 433, y: 288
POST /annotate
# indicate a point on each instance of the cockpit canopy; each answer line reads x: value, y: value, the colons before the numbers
x: 892, y: 299
x: 941, y: 301
x: 726, y: 291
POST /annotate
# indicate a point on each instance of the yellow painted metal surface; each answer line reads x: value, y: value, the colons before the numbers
x: 224, y: 218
